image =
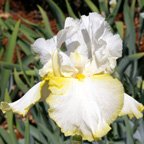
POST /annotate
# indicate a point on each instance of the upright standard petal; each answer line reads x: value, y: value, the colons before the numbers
x: 45, y: 48
x: 85, y: 105
x: 131, y: 107
x: 67, y: 68
x: 94, y: 40
x: 23, y: 105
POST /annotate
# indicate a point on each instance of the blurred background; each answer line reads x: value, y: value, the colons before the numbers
x: 22, y: 22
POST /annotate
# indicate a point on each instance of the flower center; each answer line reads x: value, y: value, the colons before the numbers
x: 80, y: 76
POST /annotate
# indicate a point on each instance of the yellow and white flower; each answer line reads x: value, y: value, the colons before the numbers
x: 83, y: 97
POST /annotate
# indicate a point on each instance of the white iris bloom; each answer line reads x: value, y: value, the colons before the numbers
x: 83, y: 97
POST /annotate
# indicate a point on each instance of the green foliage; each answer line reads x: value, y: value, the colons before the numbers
x: 18, y: 76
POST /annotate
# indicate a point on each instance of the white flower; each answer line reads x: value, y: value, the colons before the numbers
x: 112, y: 4
x: 83, y: 97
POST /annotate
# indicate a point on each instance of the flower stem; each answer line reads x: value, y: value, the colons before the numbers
x: 76, y: 140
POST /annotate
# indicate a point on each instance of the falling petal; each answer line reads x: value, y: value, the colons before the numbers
x: 23, y: 105
x: 131, y: 107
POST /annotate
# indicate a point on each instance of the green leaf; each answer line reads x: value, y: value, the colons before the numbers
x: 25, y: 46
x: 48, y: 30
x: 103, y: 4
x: 22, y: 68
x: 1, y: 141
x: 112, y: 16
x: 29, y: 59
x: 21, y: 85
x: 12, y: 43
x: 70, y: 10
x: 29, y: 22
x: 30, y: 34
x: 141, y: 3
x: 35, y: 132
x: 8, y: 57
x: 51, y: 136
x: 126, y: 61
x: 136, y: 56
x: 9, y: 118
x: 129, y: 131
x: 132, y: 8
x: 10, y: 66
x: 27, y: 132
x: 7, y: 6
x: 131, y: 36
x: 2, y: 24
x: 1, y: 52
x: 28, y: 31
x: 130, y: 31
x: 120, y: 28
x: 92, y: 6
x: 4, y: 135
x: 57, y: 12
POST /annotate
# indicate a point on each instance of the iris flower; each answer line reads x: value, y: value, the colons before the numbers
x: 83, y: 97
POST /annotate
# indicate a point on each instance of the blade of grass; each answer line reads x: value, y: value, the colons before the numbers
x: 35, y: 132
x: 7, y: 6
x: 129, y: 132
x: 21, y: 65
x: 21, y: 85
x: 130, y: 31
x: 8, y: 57
x: 28, y: 31
x: 2, y: 24
x: 103, y: 4
x: 22, y: 29
x: 25, y: 47
x: 10, y: 66
x: 112, y: 16
x: 132, y: 8
x: 131, y: 35
x: 4, y: 135
x: 27, y: 132
x: 1, y: 141
x: 141, y: 3
x: 29, y: 22
x: 12, y: 43
x: 92, y: 6
x: 51, y: 136
x: 120, y: 28
x: 9, y: 117
x: 48, y: 30
x: 70, y: 10
x: 57, y: 12
x: 126, y: 61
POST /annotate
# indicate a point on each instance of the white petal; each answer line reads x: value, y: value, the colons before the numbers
x: 70, y: 22
x: 90, y: 68
x: 85, y: 106
x: 63, y: 35
x: 113, y: 2
x: 79, y: 61
x: 47, y: 68
x: 80, y: 39
x: 131, y: 107
x: 45, y: 48
x: 95, y: 41
x: 56, y: 64
x: 67, y: 68
x: 23, y: 105
x: 114, y: 44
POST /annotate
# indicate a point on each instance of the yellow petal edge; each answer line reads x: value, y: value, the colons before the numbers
x: 131, y: 107
x: 23, y: 105
x: 59, y: 85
